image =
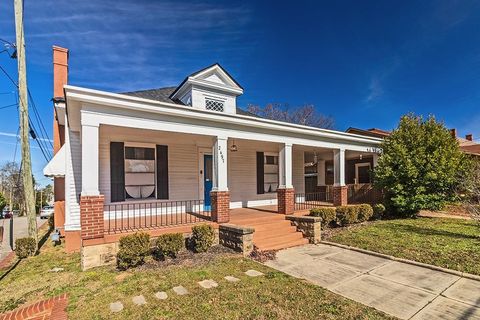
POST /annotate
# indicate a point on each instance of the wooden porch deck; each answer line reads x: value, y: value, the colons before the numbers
x: 272, y: 230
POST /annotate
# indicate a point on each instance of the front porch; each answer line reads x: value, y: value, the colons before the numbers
x: 159, y: 181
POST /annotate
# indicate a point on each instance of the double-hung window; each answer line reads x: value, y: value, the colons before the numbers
x: 139, y: 172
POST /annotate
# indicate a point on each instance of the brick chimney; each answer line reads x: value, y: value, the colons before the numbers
x: 60, y: 70
x: 469, y: 137
x: 60, y: 78
x: 453, y: 132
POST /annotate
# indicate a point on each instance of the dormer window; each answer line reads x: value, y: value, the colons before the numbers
x: 214, y: 105
x: 210, y: 89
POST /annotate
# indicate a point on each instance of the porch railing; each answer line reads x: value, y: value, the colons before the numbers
x: 304, y: 201
x: 124, y: 217
x: 363, y: 193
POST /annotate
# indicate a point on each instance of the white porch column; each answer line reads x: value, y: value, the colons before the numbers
x: 339, y: 167
x: 90, y: 166
x: 375, y: 159
x: 220, y: 170
x: 321, y: 172
x: 285, y: 166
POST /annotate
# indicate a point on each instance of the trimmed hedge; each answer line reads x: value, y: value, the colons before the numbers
x: 203, y: 237
x: 25, y: 247
x: 133, y: 250
x: 378, y: 211
x: 347, y: 215
x: 169, y: 245
x: 328, y: 215
x: 365, y: 212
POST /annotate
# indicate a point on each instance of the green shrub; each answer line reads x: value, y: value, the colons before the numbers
x: 328, y: 215
x: 347, y: 215
x: 203, y: 237
x: 133, y: 250
x: 25, y: 247
x: 378, y: 211
x: 169, y: 244
x: 365, y: 212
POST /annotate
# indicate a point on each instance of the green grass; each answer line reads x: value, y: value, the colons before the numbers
x: 448, y: 243
x: 273, y: 296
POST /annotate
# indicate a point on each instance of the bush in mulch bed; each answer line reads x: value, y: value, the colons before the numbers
x: 190, y: 258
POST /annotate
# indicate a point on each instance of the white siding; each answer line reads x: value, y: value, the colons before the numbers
x: 73, y: 180
x: 183, y: 165
x: 183, y: 172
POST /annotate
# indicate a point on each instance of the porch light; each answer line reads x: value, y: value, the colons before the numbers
x: 233, y: 147
x: 361, y: 157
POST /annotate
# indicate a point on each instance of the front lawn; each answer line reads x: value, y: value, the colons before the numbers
x: 272, y: 296
x: 448, y: 243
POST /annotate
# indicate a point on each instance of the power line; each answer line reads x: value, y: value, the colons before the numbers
x: 8, y: 106
x: 43, y: 147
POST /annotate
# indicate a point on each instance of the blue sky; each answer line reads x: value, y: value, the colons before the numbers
x: 363, y: 62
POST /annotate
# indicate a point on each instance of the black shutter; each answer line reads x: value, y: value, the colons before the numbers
x: 260, y: 172
x: 162, y: 172
x: 117, y: 172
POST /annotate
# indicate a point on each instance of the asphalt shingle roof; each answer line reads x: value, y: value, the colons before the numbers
x: 163, y: 95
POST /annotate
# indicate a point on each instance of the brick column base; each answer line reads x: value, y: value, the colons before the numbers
x: 91, y: 217
x: 220, y: 206
x: 340, y: 195
x: 286, y: 200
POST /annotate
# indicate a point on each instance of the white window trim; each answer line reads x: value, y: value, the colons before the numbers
x: 358, y: 165
x: 273, y: 154
x: 141, y: 145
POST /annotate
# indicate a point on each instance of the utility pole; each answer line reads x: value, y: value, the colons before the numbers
x: 24, y: 126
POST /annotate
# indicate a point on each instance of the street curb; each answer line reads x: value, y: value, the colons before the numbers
x: 415, y: 263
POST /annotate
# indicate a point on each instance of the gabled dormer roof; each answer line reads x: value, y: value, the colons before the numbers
x: 214, y: 76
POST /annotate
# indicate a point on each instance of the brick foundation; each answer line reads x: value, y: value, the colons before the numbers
x: 220, y: 206
x: 286, y: 201
x: 340, y: 195
x: 91, y: 217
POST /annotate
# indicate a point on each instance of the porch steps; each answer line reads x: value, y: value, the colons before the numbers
x: 272, y: 231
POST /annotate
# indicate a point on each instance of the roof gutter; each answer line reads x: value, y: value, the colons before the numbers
x: 146, y: 105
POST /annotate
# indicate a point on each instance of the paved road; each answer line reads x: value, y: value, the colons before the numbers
x: 19, y: 230
x: 399, y: 289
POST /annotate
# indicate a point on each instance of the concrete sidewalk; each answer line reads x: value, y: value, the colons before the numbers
x: 20, y: 230
x: 403, y: 290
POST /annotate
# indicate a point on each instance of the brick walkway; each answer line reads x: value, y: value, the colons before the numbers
x: 50, y: 309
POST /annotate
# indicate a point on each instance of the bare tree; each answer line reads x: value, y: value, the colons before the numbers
x: 470, y: 189
x: 305, y: 115
x: 12, y: 185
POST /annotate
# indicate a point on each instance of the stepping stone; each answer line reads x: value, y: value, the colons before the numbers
x: 139, y: 300
x: 161, y: 295
x: 116, y: 306
x: 231, y: 279
x: 180, y: 290
x: 253, y: 273
x: 56, y: 269
x: 207, y: 284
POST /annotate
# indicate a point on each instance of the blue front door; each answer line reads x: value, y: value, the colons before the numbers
x: 207, y: 180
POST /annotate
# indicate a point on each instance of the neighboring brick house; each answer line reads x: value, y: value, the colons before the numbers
x: 467, y: 144
x: 162, y: 160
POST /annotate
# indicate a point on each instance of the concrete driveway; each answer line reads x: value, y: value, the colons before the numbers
x: 403, y: 290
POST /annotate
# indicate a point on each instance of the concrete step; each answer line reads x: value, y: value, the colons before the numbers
x: 283, y: 245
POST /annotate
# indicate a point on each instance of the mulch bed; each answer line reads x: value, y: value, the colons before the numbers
x: 189, y: 258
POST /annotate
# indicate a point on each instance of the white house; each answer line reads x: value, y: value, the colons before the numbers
x: 172, y: 157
